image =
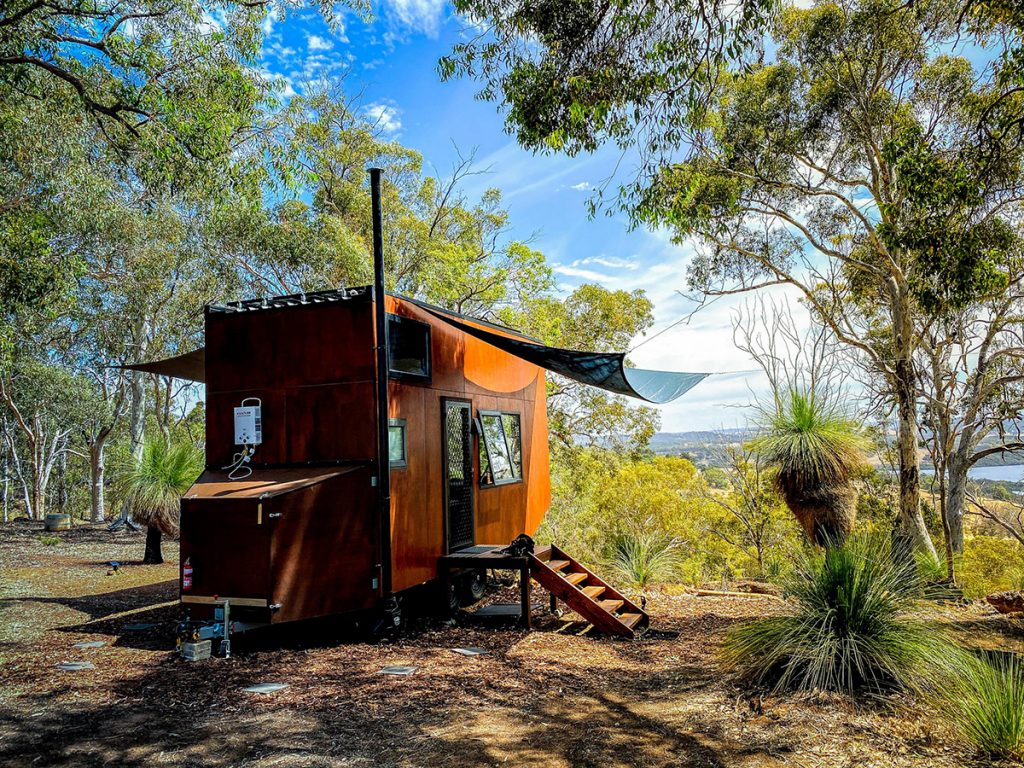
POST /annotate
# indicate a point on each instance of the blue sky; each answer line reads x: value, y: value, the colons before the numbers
x: 391, y: 61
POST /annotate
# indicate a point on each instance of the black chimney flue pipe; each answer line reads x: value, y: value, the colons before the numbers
x: 380, y: 319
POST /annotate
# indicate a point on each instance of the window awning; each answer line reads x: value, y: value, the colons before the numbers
x: 190, y: 365
x: 606, y: 371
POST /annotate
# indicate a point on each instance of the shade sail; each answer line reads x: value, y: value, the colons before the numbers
x: 191, y: 365
x: 606, y: 371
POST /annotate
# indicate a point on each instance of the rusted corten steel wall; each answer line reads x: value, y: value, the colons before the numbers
x: 312, y: 366
x: 467, y: 369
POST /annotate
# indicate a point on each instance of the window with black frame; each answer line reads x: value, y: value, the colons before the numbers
x: 397, y: 451
x: 408, y: 348
x: 501, y: 450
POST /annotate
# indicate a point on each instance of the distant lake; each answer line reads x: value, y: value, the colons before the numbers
x: 1013, y: 473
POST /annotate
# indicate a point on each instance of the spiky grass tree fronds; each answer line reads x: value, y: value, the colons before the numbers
x: 981, y: 697
x: 816, y: 449
x: 644, y: 556
x: 151, y: 489
x: 852, y: 628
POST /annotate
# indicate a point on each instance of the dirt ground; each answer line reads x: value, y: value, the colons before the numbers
x: 551, y: 697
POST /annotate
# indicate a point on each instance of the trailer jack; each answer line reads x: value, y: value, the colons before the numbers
x: 218, y: 631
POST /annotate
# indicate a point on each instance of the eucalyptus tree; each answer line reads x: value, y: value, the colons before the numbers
x: 574, y: 76
x: 176, y: 81
x: 848, y: 169
x: 972, y: 375
x: 440, y: 245
x: 829, y: 168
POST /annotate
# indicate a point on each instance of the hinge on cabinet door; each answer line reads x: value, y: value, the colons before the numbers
x: 373, y: 481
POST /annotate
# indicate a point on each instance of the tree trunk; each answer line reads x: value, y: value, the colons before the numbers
x: 947, y: 534
x: 137, y: 414
x: 97, y: 474
x: 911, y: 533
x: 153, y: 554
x: 38, y: 511
x: 956, y: 503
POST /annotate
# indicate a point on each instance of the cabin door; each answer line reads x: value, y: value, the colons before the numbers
x: 457, y: 457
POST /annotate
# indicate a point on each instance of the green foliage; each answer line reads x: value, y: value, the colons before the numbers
x: 644, y: 556
x: 151, y: 488
x: 851, y: 630
x: 49, y: 541
x: 174, y: 84
x: 982, y: 699
x: 816, y: 450
x: 605, y: 505
x: 930, y: 569
x: 958, y: 256
x: 600, y: 320
x: 572, y: 75
x: 716, y: 478
x: 990, y: 564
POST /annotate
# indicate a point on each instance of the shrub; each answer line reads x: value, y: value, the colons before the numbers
x: 49, y: 541
x: 930, y: 568
x: 991, y: 564
x: 644, y: 556
x: 852, y: 628
x: 983, y: 701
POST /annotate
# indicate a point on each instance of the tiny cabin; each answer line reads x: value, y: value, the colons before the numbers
x: 295, y: 534
x: 292, y: 518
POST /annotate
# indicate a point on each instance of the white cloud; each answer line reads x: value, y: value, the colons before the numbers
x: 269, y: 20
x: 417, y: 15
x: 607, y: 261
x: 387, y: 117
x: 702, y: 343
x: 317, y: 43
x: 583, y: 186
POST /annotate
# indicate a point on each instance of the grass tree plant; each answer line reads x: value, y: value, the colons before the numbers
x: 153, y: 486
x: 817, y: 450
x: 852, y: 626
x: 644, y: 555
x: 983, y: 703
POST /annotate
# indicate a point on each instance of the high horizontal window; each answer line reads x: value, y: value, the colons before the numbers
x: 397, y: 444
x: 501, y: 448
x: 408, y: 348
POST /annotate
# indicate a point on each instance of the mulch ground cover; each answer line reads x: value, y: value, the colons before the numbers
x: 556, y: 696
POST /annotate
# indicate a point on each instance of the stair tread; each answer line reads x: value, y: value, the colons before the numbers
x: 576, y: 578
x: 630, y: 619
x: 593, y: 592
x: 557, y: 565
x: 611, y: 605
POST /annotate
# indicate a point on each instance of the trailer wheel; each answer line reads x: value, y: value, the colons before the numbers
x: 472, y: 588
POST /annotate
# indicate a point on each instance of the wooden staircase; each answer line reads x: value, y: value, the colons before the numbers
x: 584, y: 592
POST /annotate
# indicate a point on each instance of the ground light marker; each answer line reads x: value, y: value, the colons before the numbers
x: 398, y: 671
x: 471, y: 651
x: 266, y: 688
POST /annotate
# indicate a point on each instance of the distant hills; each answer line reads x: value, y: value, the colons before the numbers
x: 705, y: 449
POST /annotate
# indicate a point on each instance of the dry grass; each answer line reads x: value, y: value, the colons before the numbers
x: 552, y: 697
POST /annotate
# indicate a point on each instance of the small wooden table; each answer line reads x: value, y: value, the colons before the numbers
x: 490, y: 556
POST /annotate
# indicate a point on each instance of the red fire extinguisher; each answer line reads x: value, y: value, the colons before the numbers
x: 186, y: 575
